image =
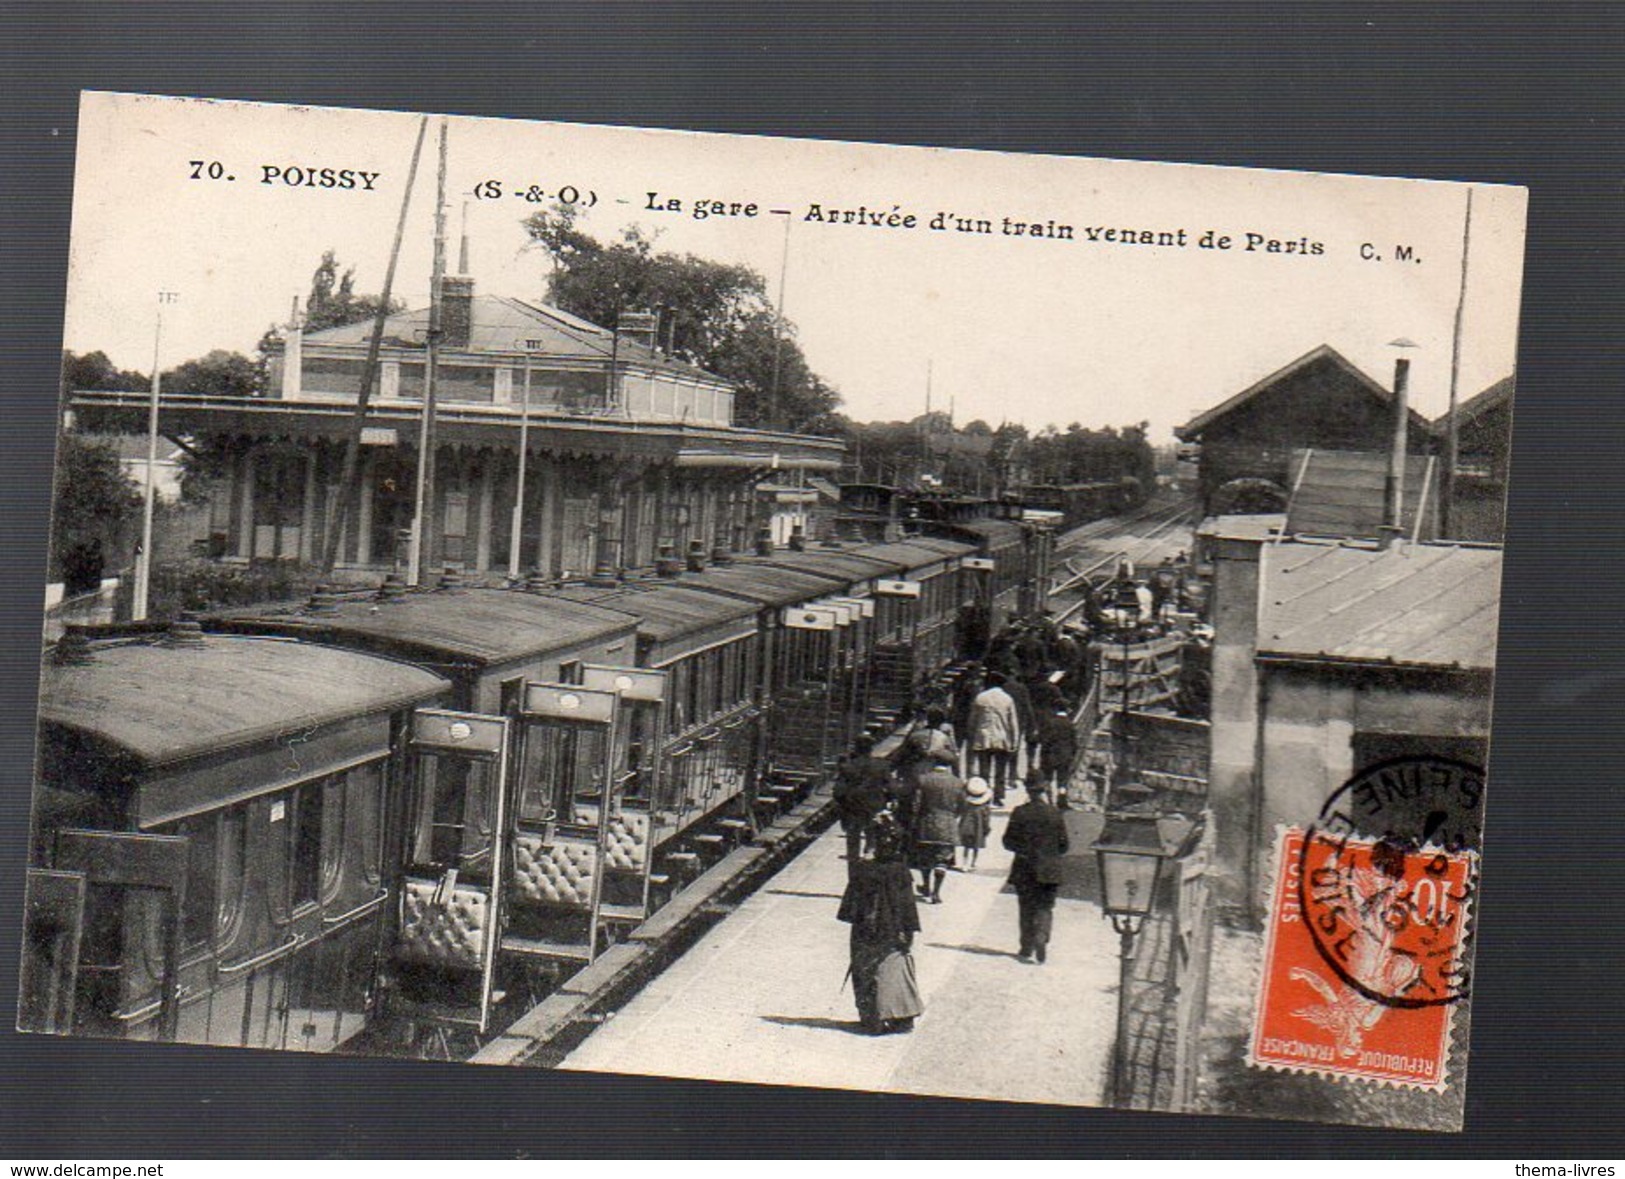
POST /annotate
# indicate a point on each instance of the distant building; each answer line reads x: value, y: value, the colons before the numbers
x: 628, y: 449
x: 1329, y: 657
x: 1320, y: 401
x: 1483, y: 455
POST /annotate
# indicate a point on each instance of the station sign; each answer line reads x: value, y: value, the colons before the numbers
x: 632, y: 683
x: 458, y: 732
x: 891, y: 588
x: 984, y: 564
x: 569, y: 702
x: 379, y: 436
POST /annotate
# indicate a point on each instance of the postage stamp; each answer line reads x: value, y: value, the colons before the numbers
x: 1367, y: 950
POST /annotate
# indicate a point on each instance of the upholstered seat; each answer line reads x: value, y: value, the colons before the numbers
x: 447, y: 931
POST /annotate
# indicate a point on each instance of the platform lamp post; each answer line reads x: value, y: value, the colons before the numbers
x: 1131, y: 855
x: 1127, y: 609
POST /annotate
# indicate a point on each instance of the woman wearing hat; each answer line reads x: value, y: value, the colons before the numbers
x: 975, y: 821
x: 879, y: 905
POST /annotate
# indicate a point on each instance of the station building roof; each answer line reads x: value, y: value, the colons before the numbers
x: 1423, y: 605
x: 162, y: 702
x: 506, y: 326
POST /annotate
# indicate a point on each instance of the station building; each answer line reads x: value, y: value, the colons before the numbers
x: 1246, y: 444
x: 629, y: 449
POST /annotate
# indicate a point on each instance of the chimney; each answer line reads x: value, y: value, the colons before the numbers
x: 764, y: 541
x: 798, y: 539
x: 1393, y: 515
x: 668, y: 563
x: 451, y: 579
x: 72, y: 649
x: 185, y: 631
x: 696, y: 556
x: 322, y: 601
x: 456, y: 311
x: 638, y: 327
x: 392, y: 588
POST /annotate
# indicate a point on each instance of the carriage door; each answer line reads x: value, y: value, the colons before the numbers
x: 629, y: 834
x: 563, y: 802
x: 54, y: 914
x: 446, y: 950
x: 129, y: 968
x: 801, y: 728
x: 855, y: 689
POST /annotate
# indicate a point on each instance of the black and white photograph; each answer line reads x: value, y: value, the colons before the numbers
x: 908, y: 620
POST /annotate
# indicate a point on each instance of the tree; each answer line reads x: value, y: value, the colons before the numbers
x: 94, y: 370
x: 95, y: 501
x: 720, y: 316
x: 226, y: 374
x: 332, y: 301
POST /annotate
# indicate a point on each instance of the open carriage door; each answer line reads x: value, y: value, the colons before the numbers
x: 450, y: 912
x: 54, y: 914
x: 859, y: 661
x: 563, y: 801
x: 135, y: 886
x: 803, y: 744
x: 639, y: 810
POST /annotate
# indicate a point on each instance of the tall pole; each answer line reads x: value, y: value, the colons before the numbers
x: 1394, y: 487
x: 778, y: 332
x: 519, y: 492
x: 422, y: 533
x: 339, y: 516
x: 143, y: 559
x: 1447, y: 501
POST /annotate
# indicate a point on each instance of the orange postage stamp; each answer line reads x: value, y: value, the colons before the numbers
x: 1364, y: 959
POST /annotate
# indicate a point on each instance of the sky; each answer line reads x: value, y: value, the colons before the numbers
x: 1001, y: 326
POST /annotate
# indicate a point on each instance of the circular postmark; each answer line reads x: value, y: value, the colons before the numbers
x: 1385, y: 875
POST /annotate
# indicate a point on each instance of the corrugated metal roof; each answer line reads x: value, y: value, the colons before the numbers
x: 508, y: 326
x: 488, y: 626
x: 167, y: 703
x: 1414, y: 605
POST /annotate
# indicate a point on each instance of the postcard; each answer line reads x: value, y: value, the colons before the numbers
x: 824, y: 614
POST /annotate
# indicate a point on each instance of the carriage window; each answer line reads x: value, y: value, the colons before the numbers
x: 332, y: 837
x: 305, y: 840
x: 453, y: 828
x: 202, y: 876
x: 233, y: 836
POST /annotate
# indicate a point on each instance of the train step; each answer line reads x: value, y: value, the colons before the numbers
x: 538, y: 947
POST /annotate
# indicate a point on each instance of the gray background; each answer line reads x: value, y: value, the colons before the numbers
x: 1525, y: 94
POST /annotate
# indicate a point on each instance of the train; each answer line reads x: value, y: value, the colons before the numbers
x: 312, y: 825
x: 1080, y: 503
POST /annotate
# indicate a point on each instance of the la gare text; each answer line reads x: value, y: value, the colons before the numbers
x: 949, y: 221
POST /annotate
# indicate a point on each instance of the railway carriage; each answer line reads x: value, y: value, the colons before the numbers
x: 230, y: 806
x: 423, y: 803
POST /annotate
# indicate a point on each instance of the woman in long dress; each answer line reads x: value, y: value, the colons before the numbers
x: 879, y: 905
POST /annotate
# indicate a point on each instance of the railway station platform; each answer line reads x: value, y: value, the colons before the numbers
x: 761, y: 997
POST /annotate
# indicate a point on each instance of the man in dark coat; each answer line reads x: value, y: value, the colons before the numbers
x: 1037, y: 835
x: 861, y: 793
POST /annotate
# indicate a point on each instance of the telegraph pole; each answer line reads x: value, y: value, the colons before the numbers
x: 422, y: 533
x: 143, y: 559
